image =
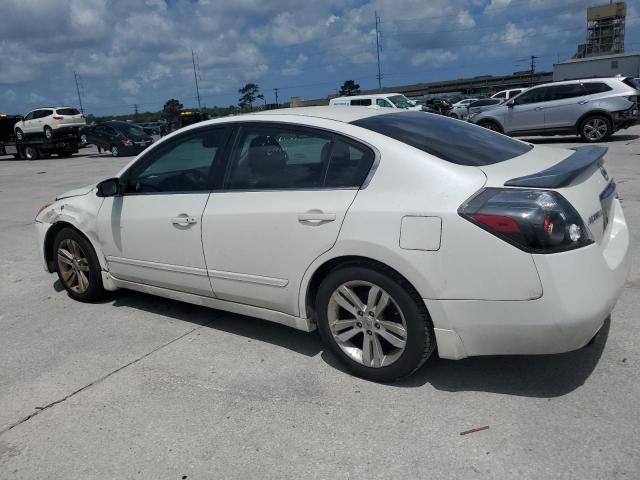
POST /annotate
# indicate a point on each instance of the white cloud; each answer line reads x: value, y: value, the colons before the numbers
x: 130, y: 86
x: 434, y: 58
x: 294, y: 67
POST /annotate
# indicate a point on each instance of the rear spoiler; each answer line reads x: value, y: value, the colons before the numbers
x: 564, y: 172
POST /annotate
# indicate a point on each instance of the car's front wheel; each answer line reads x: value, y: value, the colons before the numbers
x: 595, y: 129
x: 78, y: 266
x: 489, y: 125
x: 19, y: 134
x: 374, y: 321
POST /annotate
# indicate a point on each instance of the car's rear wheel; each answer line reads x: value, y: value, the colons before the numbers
x: 31, y: 153
x: 77, y: 266
x: 489, y: 125
x: 48, y: 133
x: 19, y: 134
x: 114, y: 151
x: 374, y: 321
x: 595, y: 129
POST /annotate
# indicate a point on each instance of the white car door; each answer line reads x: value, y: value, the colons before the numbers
x: 151, y: 232
x: 526, y: 112
x: 285, y: 196
x: 30, y: 123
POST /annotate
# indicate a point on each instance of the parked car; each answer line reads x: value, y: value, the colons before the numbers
x: 592, y: 108
x: 460, y: 109
x: 507, y: 94
x: 150, y: 128
x: 481, y: 105
x: 384, y: 100
x: 50, y: 122
x: 378, y: 227
x: 119, y: 138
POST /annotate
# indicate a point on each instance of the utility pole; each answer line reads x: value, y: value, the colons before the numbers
x: 378, y: 48
x: 533, y: 67
x: 76, y: 76
x: 276, y: 90
x: 195, y: 76
x: 135, y: 109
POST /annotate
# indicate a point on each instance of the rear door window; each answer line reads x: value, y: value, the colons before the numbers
x: 441, y: 136
x: 562, y: 92
x: 364, y: 102
x: 284, y: 157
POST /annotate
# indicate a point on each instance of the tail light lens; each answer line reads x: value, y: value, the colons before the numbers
x: 126, y: 142
x: 536, y: 221
x: 57, y: 117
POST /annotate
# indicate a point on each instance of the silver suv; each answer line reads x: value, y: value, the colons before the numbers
x: 592, y: 108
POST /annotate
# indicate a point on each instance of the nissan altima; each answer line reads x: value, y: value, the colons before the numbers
x: 395, y: 235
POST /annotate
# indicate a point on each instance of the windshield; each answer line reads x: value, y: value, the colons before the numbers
x: 400, y: 101
x: 441, y: 136
x: 130, y: 130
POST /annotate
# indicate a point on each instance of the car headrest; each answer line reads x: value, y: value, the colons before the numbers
x: 266, y: 155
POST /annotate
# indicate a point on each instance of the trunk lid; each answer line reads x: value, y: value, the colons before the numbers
x: 579, y: 175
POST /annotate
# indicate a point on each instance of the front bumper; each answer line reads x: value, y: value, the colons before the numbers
x: 580, y: 289
x: 41, y: 233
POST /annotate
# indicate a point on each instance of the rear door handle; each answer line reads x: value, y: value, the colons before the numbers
x: 184, y: 220
x: 582, y: 102
x: 316, y: 217
x: 539, y: 108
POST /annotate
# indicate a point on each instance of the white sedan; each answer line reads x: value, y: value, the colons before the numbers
x: 392, y: 233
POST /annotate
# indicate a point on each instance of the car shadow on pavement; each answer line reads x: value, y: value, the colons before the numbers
x: 249, y: 327
x: 572, y: 139
x: 537, y: 376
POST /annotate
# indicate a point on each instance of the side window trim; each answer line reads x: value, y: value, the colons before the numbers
x: 233, y: 149
x: 151, y: 156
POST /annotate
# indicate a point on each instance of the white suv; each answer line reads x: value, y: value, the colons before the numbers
x: 50, y: 121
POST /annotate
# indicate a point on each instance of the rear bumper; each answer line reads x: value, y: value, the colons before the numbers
x: 626, y: 118
x: 580, y: 288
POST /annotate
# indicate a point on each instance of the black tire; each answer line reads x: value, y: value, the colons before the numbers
x: 595, y: 128
x: 48, y: 133
x: 19, y: 135
x: 30, y: 153
x: 420, y: 338
x: 95, y: 289
x: 489, y: 125
x: 115, y: 152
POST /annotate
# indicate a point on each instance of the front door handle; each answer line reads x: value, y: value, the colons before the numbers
x: 316, y: 217
x: 183, y: 220
x: 539, y: 108
x: 582, y: 102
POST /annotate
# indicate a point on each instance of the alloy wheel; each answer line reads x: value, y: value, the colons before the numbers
x: 114, y: 151
x: 73, y: 266
x: 48, y: 133
x: 83, y: 139
x: 595, y: 129
x: 367, y: 324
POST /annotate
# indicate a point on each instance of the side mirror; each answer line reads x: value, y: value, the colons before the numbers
x: 109, y: 187
x: 511, y: 103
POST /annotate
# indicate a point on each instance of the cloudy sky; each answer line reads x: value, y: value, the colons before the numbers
x: 130, y: 52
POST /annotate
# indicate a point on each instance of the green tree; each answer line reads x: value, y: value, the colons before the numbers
x: 250, y: 92
x: 171, y: 109
x: 348, y: 88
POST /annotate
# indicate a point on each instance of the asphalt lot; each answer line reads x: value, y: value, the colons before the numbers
x: 143, y: 387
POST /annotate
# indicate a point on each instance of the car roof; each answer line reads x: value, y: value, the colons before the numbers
x: 579, y: 80
x: 346, y: 115
x: 373, y: 95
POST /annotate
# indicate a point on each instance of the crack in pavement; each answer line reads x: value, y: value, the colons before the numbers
x: 39, y: 410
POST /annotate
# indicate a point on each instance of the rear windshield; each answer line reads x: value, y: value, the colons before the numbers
x: 67, y: 111
x: 451, y: 140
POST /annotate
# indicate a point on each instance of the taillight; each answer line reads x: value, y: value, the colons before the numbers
x: 126, y: 142
x: 57, y: 117
x: 537, y: 221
